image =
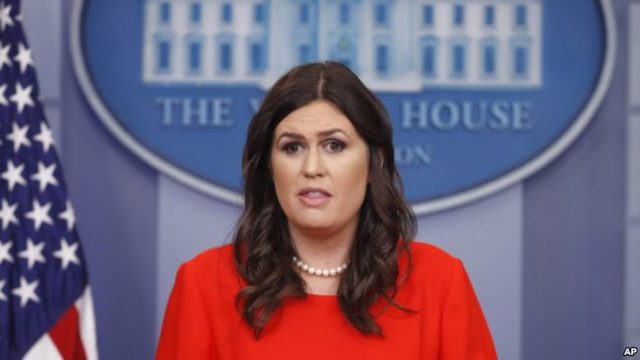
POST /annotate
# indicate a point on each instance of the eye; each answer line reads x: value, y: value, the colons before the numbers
x: 291, y: 148
x: 335, y: 146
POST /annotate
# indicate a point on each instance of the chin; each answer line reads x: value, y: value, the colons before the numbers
x: 314, y: 224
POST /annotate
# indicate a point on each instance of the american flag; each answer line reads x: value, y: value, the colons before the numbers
x: 46, y: 311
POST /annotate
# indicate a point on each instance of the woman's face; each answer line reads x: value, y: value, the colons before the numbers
x: 320, y: 167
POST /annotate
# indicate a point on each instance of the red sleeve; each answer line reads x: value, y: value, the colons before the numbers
x: 185, y: 331
x: 465, y: 334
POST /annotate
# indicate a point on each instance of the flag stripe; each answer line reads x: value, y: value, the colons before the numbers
x: 44, y: 348
x: 87, y: 324
x: 66, y: 336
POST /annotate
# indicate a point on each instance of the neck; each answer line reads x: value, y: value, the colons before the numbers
x: 324, y: 249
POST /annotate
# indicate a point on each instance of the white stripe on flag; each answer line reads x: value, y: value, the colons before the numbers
x: 44, y: 348
x: 84, y: 305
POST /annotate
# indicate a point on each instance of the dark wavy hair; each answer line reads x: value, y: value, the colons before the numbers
x: 262, y: 244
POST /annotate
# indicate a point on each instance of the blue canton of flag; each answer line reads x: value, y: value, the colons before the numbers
x: 46, y: 311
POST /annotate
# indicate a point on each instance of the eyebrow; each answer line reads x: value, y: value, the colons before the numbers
x: 321, y: 134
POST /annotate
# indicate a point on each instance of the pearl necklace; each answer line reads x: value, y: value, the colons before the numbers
x: 319, y: 272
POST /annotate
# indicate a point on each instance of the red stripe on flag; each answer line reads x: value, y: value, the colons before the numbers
x: 66, y: 336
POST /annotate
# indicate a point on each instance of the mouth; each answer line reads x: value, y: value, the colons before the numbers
x: 314, y: 192
x: 314, y: 196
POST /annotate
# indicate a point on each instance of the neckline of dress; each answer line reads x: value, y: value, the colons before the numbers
x: 322, y: 296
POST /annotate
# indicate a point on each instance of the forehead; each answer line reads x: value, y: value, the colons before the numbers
x: 314, y: 117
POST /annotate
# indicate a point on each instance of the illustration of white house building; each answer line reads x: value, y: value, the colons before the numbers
x: 393, y: 45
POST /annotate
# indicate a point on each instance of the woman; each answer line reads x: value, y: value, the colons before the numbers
x: 322, y: 265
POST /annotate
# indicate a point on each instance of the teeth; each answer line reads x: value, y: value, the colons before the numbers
x: 314, y: 193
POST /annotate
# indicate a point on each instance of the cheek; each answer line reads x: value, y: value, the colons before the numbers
x: 354, y: 178
x: 282, y: 173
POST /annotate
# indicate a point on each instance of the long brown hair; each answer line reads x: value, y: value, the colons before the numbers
x: 262, y: 245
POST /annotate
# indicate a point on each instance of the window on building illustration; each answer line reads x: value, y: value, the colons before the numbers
x: 164, y: 56
x: 304, y: 13
x: 195, y: 13
x: 427, y: 15
x: 165, y: 13
x: 459, y: 59
x: 304, y: 54
x: 256, y: 53
x: 226, y: 56
x: 381, y: 15
x: 258, y: 13
x: 521, y: 15
x: 489, y: 59
x: 382, y: 59
x: 520, y: 61
x: 195, y: 56
x: 489, y: 15
x: 429, y: 60
x: 344, y: 13
x: 227, y: 13
x: 458, y: 15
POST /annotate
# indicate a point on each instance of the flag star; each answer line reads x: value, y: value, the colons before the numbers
x: 3, y: 89
x: 45, y: 137
x: 5, y: 16
x: 4, y: 55
x: 24, y: 57
x: 8, y: 214
x: 4, y: 252
x: 26, y: 291
x: 39, y: 214
x: 45, y: 175
x: 67, y: 254
x: 13, y: 175
x: 22, y: 97
x: 19, y: 136
x: 33, y: 253
x: 3, y: 297
x: 68, y: 215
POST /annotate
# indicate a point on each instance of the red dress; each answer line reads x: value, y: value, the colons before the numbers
x: 201, y: 320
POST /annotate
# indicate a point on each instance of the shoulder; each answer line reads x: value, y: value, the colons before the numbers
x: 427, y: 256
x: 215, y: 264
x: 202, y: 295
x: 439, y: 284
x: 212, y: 255
x: 431, y: 266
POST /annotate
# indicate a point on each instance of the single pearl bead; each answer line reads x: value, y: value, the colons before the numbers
x: 299, y: 263
x: 325, y: 272
x: 318, y: 272
x: 305, y: 267
x: 332, y: 272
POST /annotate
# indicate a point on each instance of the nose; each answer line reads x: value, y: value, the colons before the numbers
x: 313, y: 164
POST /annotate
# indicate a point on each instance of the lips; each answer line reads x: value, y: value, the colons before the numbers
x: 314, y: 196
x: 314, y: 192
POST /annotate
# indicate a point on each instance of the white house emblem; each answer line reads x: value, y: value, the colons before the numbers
x: 481, y: 93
